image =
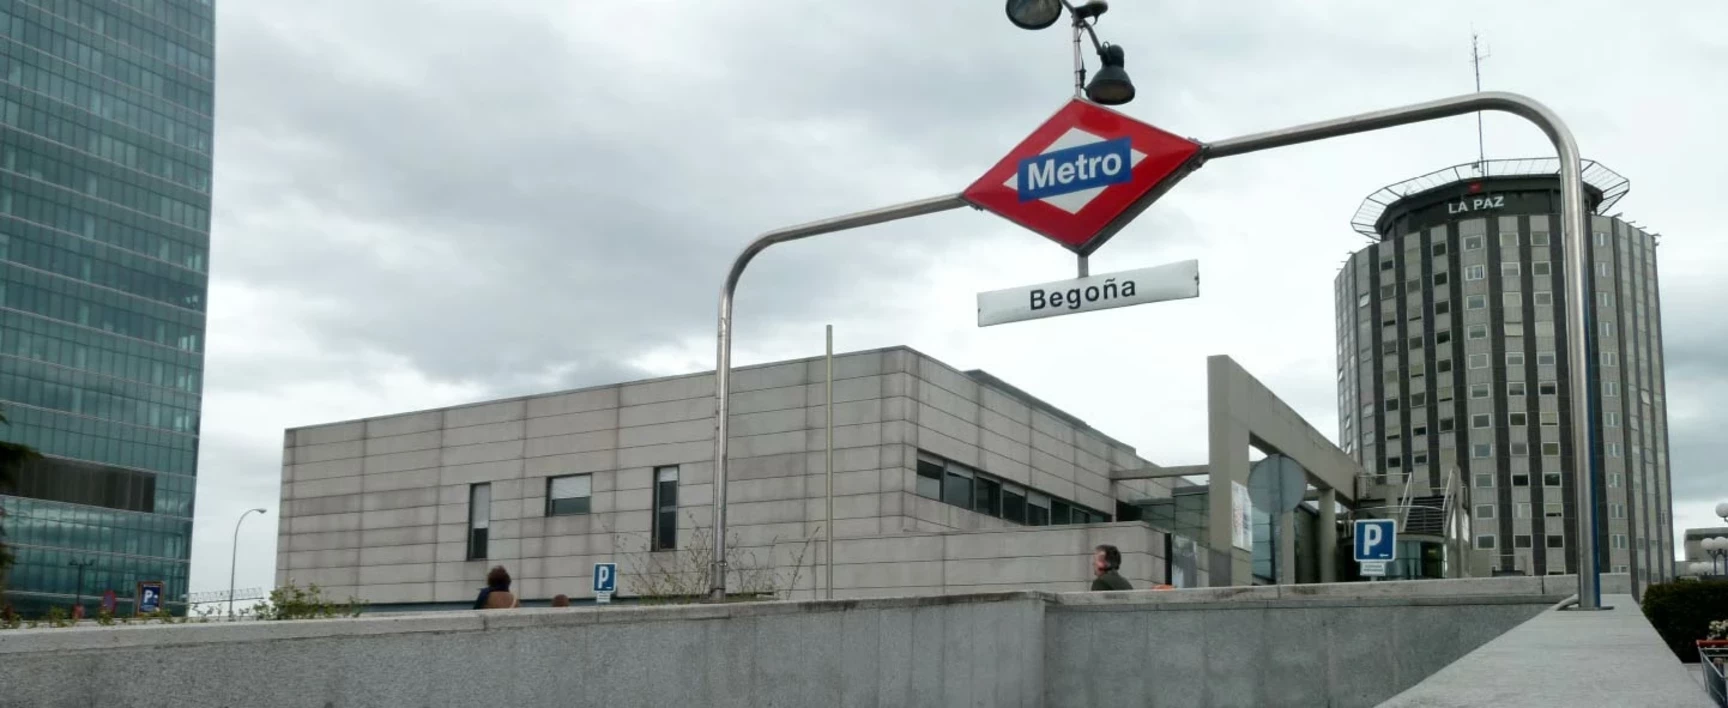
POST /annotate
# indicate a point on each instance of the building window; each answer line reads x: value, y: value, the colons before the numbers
x: 1509, y: 270
x: 1391, y: 405
x: 1555, y: 541
x: 1440, y: 278
x: 1442, y: 366
x: 1614, y: 479
x: 1475, y: 272
x: 1538, y: 238
x: 1472, y: 243
x: 1037, y: 509
x: 1611, y: 388
x: 1362, y: 300
x: 1484, y: 480
x: 1478, y: 361
x: 987, y: 496
x: 1601, y: 239
x: 1522, y: 510
x: 1520, y: 480
x: 1479, y: 390
x: 1521, y: 540
x: 1547, y: 388
x: 1482, y: 451
x: 957, y: 486
x: 665, y: 508
x: 1608, y: 328
x: 1484, y: 511
x: 1386, y: 265
x: 1606, y: 300
x: 1476, y: 332
x: 1475, y: 302
x: 1485, y: 542
x: 1602, y: 269
x: 1388, y: 292
x: 1481, y: 420
x: 1442, y: 336
x: 1440, y: 249
x: 1541, y: 269
x: 568, y: 495
x: 1519, y: 449
x: 1614, y: 449
x: 1014, y: 503
x: 1550, y: 418
x: 479, y: 519
x: 1513, y: 301
x: 1545, y: 359
x: 1515, y: 388
x: 1515, y: 359
x: 1619, y: 542
x: 1418, y: 399
x: 1551, y: 479
x: 929, y: 476
x: 1509, y: 241
x: 1444, y: 307
x: 1394, y: 462
x: 1550, y: 449
x: 1445, y: 425
x: 1610, y: 358
x: 1418, y: 459
x: 1612, y: 419
x: 1543, y: 298
x: 1517, y: 419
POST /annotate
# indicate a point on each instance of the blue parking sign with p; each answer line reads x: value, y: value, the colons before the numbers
x: 605, y: 577
x: 1376, y: 540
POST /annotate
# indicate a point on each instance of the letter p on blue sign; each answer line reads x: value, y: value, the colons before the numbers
x: 605, y: 577
x: 1376, y: 540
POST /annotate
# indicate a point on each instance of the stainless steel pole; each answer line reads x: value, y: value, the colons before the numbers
x: 1578, y: 309
x: 1079, y: 63
x: 234, y: 558
x: 828, y: 400
x: 723, y: 355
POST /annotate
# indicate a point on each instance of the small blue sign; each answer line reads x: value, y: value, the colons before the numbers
x: 605, y: 578
x: 1376, y: 540
x: 1098, y: 164
x: 149, y: 597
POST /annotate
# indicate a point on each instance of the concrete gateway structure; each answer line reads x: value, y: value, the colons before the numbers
x: 945, y: 481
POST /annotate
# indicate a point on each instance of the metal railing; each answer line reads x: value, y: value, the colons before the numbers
x: 1715, y: 661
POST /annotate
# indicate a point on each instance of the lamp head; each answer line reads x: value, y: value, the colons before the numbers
x: 1110, y: 86
x: 1034, y: 14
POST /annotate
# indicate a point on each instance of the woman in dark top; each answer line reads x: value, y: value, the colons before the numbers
x: 496, y: 595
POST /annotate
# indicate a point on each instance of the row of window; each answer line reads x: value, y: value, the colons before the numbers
x: 50, y: 524
x: 190, y: 170
x: 193, y: 18
x: 67, y: 212
x: 100, y: 97
x: 54, y: 164
x: 1487, y: 542
x: 126, y: 29
x: 86, y: 438
x: 54, y: 479
x: 28, y: 337
x: 572, y: 495
x: 32, y: 291
x: 98, y: 264
x: 962, y: 486
x: 56, y: 388
x: 50, y: 42
x: 46, y: 570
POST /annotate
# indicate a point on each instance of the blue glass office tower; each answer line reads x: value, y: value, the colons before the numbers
x: 105, y: 167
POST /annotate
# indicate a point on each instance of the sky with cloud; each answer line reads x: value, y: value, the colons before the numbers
x: 434, y: 202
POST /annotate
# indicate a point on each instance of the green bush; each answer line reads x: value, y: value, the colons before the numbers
x: 1682, y: 612
x: 292, y: 602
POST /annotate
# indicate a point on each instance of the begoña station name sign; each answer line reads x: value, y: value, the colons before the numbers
x: 1174, y: 281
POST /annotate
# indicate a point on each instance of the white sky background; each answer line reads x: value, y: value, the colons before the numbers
x: 434, y: 202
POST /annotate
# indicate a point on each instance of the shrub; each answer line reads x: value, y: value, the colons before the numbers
x: 1682, y: 612
x: 291, y: 602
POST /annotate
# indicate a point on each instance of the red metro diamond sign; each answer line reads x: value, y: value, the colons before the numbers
x: 1083, y: 175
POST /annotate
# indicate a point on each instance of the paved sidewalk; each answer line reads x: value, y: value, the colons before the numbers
x: 1566, y: 658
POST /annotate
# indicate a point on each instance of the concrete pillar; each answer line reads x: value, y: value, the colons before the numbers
x: 1327, y: 536
x: 1227, y: 466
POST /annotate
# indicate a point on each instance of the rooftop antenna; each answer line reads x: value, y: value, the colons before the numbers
x: 1476, y: 57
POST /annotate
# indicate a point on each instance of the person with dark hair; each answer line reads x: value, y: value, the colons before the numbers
x: 1106, y: 560
x: 560, y: 600
x: 496, y: 595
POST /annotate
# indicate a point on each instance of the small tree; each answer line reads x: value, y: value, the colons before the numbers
x: 682, y: 575
x: 292, y: 602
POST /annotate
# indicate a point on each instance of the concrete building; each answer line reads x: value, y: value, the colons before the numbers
x: 105, y: 162
x: 1453, y: 388
x: 944, y: 481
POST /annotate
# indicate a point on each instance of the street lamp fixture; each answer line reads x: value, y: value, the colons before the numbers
x: 1111, y: 86
x: 1717, y: 548
x: 1722, y: 511
x: 234, y: 558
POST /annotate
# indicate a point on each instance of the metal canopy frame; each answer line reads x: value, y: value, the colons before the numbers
x: 1580, y: 352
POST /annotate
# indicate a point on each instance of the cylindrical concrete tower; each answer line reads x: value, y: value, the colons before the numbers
x: 1452, y: 378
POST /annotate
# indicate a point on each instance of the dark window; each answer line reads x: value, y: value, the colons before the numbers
x: 1442, y: 308
x: 665, y: 508
x: 568, y: 495
x: 1520, y: 480
x: 1521, y: 540
x: 1443, y: 336
x: 1014, y: 504
x: 1037, y: 510
x: 84, y: 483
x: 1440, y: 278
x: 1061, y: 512
x: 1439, y: 249
x: 987, y: 496
x: 1551, y: 479
x: 957, y: 486
x: 479, y: 519
x: 1556, y: 541
x: 929, y: 477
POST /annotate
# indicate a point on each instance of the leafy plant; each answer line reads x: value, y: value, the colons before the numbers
x: 57, y: 617
x: 104, y: 617
x: 292, y: 602
x: 1719, y: 629
x: 1683, y: 612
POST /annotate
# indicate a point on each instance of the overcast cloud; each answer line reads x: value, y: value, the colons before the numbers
x: 431, y: 202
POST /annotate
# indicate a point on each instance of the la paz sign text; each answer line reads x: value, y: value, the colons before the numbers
x: 1174, y: 281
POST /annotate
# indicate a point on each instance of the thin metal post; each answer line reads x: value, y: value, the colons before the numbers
x: 828, y: 401
x: 234, y: 558
x: 1079, y: 63
x: 1578, y: 301
x: 1085, y: 268
x: 723, y: 345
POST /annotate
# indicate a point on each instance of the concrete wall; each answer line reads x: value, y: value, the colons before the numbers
x: 379, y: 507
x: 1339, y: 645
x: 1048, y: 558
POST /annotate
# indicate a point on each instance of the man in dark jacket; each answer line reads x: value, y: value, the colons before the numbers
x: 1106, y: 560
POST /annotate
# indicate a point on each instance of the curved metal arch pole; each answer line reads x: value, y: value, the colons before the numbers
x: 723, y: 358
x: 1578, y: 311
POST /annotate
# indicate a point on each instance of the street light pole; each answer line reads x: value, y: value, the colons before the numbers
x: 234, y: 558
x: 78, y: 592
